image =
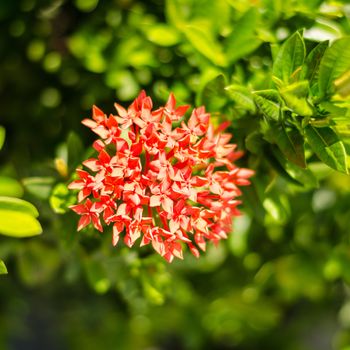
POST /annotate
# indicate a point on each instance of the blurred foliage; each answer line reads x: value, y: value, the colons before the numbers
x: 281, y: 280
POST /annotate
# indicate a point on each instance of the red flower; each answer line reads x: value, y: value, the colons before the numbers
x: 168, y: 186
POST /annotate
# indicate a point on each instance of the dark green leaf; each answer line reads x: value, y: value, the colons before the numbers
x: 254, y: 142
x: 303, y: 176
x: 328, y: 147
x: 290, y: 142
x: 75, y: 150
x: 290, y: 58
x: 335, y: 62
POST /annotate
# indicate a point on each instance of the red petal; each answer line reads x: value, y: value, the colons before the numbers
x: 97, y: 114
x: 84, y: 221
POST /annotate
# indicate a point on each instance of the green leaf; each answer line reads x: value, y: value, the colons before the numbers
x: 295, y: 96
x: 3, y: 269
x: 10, y: 187
x: 61, y: 198
x: 242, y: 97
x: 163, y: 35
x: 268, y: 101
x: 206, y: 45
x: 254, y: 142
x: 40, y: 187
x: 242, y: 41
x: 290, y: 142
x: 2, y: 136
x: 304, y: 176
x: 328, y: 147
x: 176, y: 13
x: 213, y: 94
x: 290, y: 58
x: 312, y: 62
x: 18, y: 205
x: 18, y: 224
x: 342, y: 84
x: 335, y: 62
x: 75, y: 149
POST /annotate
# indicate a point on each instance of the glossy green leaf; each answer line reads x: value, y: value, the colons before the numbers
x: 2, y: 136
x: 163, y: 35
x: 242, y: 97
x: 18, y: 205
x: 10, y: 187
x: 18, y: 224
x: 242, y: 41
x: 290, y: 58
x: 3, y: 269
x: 312, y: 62
x: 295, y: 97
x: 268, y: 101
x: 335, y: 62
x: 206, y: 45
x: 290, y: 142
x: 327, y: 146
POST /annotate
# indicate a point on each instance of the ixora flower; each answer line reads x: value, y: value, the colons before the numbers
x: 160, y: 179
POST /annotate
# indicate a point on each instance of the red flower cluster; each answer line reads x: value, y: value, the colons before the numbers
x: 170, y: 185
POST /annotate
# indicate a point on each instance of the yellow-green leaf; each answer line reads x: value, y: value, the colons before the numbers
x: 335, y: 62
x: 2, y: 136
x: 206, y: 45
x: 3, y: 269
x: 18, y: 224
x: 18, y: 205
x: 163, y: 35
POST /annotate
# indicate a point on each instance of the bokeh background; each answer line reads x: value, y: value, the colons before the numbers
x: 281, y: 280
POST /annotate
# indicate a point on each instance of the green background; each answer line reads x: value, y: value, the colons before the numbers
x: 281, y: 280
